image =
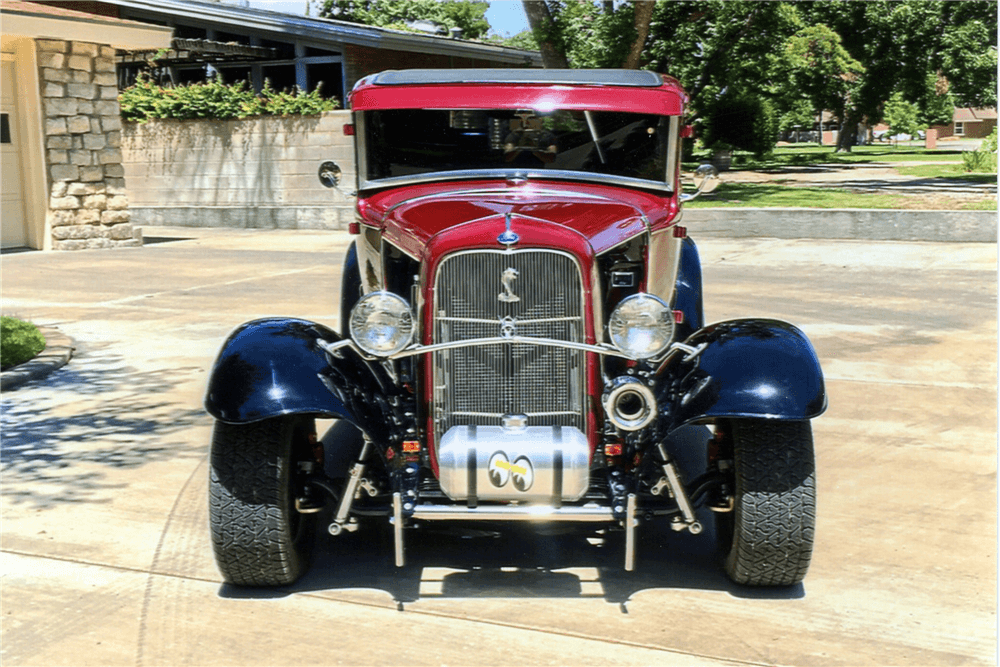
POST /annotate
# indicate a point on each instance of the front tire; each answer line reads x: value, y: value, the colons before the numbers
x: 258, y: 537
x: 767, y: 539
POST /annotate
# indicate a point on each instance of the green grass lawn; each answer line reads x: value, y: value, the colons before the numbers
x: 955, y: 171
x: 776, y: 194
x: 769, y: 195
x: 807, y: 154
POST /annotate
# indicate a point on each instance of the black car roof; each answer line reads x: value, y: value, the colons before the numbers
x: 591, y: 77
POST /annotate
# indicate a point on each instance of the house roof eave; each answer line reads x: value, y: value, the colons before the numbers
x: 21, y: 19
x: 327, y: 30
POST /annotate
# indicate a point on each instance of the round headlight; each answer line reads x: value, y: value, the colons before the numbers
x: 641, y: 326
x: 381, y: 324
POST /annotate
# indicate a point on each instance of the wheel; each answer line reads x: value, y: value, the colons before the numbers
x: 767, y: 538
x: 258, y: 537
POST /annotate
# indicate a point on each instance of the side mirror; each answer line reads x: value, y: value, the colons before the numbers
x: 706, y: 179
x: 330, y: 174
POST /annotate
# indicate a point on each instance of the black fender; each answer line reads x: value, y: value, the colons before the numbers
x: 687, y: 290
x: 350, y: 287
x: 273, y: 367
x: 749, y: 368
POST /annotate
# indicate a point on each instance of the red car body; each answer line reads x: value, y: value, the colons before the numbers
x: 522, y: 338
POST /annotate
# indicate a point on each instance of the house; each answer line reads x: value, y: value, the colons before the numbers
x: 244, y: 43
x: 60, y: 126
x: 969, y: 123
x: 261, y: 172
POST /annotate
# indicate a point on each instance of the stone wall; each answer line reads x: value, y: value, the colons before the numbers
x: 88, y: 205
x: 253, y: 173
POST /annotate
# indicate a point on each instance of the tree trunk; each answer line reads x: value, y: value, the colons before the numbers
x: 847, y: 137
x: 643, y: 16
x: 544, y: 29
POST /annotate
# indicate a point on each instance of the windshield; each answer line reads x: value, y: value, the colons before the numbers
x: 421, y: 143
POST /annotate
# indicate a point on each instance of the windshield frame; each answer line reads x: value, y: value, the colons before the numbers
x: 668, y: 185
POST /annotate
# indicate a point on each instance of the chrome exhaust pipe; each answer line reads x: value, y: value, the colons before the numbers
x: 630, y: 404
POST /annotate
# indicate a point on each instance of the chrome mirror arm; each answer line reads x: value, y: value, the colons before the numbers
x: 706, y: 178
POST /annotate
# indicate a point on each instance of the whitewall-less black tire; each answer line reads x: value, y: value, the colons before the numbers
x: 767, y: 539
x: 258, y: 537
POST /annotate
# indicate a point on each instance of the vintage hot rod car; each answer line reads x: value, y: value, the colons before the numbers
x: 521, y: 339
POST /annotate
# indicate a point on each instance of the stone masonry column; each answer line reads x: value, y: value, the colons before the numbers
x: 88, y: 206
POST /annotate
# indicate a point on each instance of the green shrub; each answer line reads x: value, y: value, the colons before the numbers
x: 217, y: 100
x: 294, y: 103
x: 19, y: 342
x: 984, y: 158
x: 745, y: 122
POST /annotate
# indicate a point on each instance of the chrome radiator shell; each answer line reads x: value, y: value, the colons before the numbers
x: 526, y: 292
x: 536, y: 464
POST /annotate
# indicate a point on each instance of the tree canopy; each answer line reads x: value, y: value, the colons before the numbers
x: 585, y: 34
x: 843, y: 56
x: 469, y: 15
x: 847, y: 57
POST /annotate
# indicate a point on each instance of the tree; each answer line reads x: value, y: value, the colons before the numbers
x: 795, y: 114
x: 587, y: 34
x: 937, y: 105
x: 469, y: 15
x: 643, y: 15
x: 967, y: 52
x: 819, y: 69
x: 744, y: 121
x: 549, y: 39
x: 524, y: 40
x: 723, y: 47
x: 901, y: 116
x: 899, y: 42
x: 717, y: 47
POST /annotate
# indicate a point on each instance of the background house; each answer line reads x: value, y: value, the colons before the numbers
x: 61, y: 136
x: 60, y: 126
x: 968, y: 123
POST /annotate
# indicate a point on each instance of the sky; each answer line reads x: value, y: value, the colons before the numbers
x: 505, y: 16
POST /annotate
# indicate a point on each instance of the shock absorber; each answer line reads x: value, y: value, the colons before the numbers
x: 672, y: 480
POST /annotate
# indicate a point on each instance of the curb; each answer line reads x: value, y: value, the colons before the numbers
x: 845, y: 223
x: 57, y: 353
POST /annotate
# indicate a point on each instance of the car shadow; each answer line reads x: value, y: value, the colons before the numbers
x: 453, y: 560
x: 516, y: 561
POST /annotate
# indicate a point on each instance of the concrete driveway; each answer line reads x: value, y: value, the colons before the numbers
x: 105, y: 552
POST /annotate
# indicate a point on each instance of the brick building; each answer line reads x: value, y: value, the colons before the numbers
x: 968, y: 123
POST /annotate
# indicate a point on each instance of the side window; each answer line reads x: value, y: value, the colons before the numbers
x: 4, y: 128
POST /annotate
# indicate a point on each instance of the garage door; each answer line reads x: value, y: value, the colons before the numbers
x: 12, y: 222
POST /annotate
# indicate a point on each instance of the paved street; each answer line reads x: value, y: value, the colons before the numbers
x: 105, y: 557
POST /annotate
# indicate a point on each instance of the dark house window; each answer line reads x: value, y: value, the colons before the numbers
x: 282, y: 77
x: 330, y: 75
x: 189, y: 32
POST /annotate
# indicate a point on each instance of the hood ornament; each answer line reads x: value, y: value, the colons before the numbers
x: 508, y: 237
x: 507, y: 295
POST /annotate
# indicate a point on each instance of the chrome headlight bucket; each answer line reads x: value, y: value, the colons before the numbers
x: 381, y: 324
x: 641, y: 326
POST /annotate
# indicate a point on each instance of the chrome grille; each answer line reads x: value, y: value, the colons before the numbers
x: 481, y: 384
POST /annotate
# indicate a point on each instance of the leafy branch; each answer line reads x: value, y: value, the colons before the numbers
x: 216, y: 100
